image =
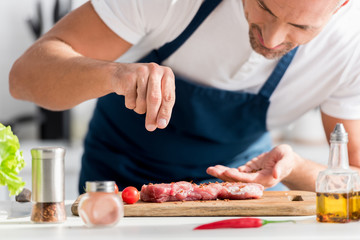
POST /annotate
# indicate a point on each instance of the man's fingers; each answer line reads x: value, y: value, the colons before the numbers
x: 130, y: 94
x: 236, y: 176
x: 141, y: 95
x: 216, y: 171
x: 148, y: 88
x: 153, y: 98
x: 168, y: 99
x: 230, y: 174
x: 245, y: 168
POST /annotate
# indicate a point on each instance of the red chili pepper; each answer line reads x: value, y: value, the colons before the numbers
x: 238, y: 223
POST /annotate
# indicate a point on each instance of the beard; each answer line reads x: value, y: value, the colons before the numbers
x: 266, y: 52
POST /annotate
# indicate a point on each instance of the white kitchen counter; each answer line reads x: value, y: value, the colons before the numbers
x: 174, y: 228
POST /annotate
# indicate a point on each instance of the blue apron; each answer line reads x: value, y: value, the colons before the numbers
x: 208, y: 126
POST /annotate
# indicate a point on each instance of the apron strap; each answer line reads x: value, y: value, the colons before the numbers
x: 279, y: 71
x: 169, y: 48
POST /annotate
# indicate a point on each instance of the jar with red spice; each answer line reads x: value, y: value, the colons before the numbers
x: 48, y: 182
x: 100, y: 206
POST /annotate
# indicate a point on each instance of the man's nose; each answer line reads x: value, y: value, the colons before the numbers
x: 274, y: 34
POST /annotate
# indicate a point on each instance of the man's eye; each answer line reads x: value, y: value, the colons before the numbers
x: 260, y: 5
x: 263, y: 8
x: 301, y: 27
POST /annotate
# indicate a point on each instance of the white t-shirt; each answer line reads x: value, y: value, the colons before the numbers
x: 325, y: 72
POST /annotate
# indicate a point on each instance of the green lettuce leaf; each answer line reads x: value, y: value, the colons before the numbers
x: 11, y: 161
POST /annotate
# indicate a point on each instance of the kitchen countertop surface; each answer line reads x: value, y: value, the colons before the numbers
x: 305, y: 227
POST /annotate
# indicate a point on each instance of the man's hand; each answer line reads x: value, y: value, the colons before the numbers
x: 148, y: 88
x: 268, y: 168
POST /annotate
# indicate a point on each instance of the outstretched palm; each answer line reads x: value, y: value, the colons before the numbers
x: 267, y: 169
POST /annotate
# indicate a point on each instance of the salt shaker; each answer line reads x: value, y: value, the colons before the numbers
x: 48, y: 182
x: 335, y: 185
x: 100, y: 206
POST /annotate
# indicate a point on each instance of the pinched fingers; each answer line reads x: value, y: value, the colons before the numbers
x: 168, y: 98
x: 153, y: 97
x: 160, y: 98
x: 130, y: 80
x: 148, y: 88
x: 142, y: 76
x: 130, y: 94
x: 141, y: 95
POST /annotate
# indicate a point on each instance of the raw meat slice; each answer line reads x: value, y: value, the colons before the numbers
x: 186, y: 191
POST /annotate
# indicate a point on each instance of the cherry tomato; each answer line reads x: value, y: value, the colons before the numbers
x: 130, y: 195
x: 116, y: 189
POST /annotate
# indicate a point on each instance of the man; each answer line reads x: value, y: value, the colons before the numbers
x: 229, y: 90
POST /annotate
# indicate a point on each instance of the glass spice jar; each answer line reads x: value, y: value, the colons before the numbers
x: 48, y: 185
x: 100, y: 206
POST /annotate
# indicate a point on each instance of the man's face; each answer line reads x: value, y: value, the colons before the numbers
x: 278, y: 26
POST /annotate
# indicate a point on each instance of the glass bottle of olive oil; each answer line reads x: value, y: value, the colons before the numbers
x: 335, y: 196
x: 355, y: 201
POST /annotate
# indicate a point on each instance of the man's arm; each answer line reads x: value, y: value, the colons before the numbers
x: 305, y: 172
x: 72, y: 63
x: 283, y: 164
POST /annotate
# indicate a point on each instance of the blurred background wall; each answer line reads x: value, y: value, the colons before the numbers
x: 17, y: 36
x: 25, y: 118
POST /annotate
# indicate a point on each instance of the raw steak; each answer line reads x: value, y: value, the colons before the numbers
x: 186, y: 191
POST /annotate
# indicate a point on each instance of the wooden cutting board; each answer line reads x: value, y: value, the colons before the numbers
x: 273, y: 203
